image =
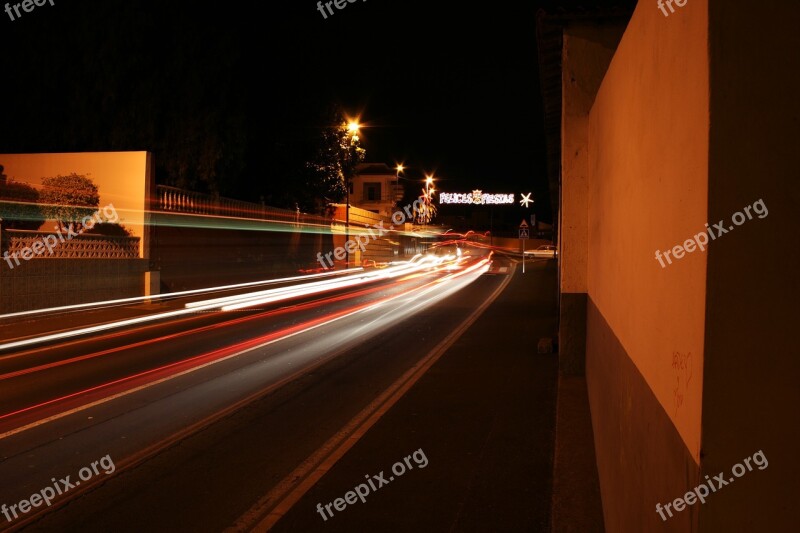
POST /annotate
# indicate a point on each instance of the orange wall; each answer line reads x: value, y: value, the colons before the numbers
x: 122, y: 178
x: 648, y: 150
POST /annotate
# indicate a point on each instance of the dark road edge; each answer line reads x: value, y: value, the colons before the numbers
x: 268, y: 510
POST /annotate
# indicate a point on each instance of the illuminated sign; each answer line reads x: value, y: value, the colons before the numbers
x: 475, y: 197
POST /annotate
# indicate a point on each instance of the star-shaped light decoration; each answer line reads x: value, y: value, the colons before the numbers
x: 526, y: 199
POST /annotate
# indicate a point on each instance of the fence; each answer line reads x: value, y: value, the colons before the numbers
x: 174, y: 200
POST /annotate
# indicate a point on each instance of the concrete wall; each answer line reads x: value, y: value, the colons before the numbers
x: 191, y: 257
x: 648, y: 166
x: 124, y: 179
x: 690, y: 366
x: 751, y: 392
x: 587, y: 52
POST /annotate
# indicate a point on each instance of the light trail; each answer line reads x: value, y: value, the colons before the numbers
x: 232, y: 302
x: 221, y: 353
x: 216, y: 304
x: 132, y: 299
x: 272, y: 295
x: 312, y: 288
x: 191, y: 364
x: 194, y: 331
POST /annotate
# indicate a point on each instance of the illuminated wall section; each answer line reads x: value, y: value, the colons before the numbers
x: 648, y: 190
x: 124, y: 179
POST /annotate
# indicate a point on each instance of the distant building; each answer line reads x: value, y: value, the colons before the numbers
x: 375, y: 188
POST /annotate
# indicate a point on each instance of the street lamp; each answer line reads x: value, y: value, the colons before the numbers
x: 427, y: 215
x: 397, y: 195
x: 352, y: 128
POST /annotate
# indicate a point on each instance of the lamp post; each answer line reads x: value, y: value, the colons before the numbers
x: 396, y: 196
x: 352, y: 128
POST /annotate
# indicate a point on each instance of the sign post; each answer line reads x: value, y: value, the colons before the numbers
x: 523, y: 234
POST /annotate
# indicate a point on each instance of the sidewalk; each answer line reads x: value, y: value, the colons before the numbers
x: 483, y: 417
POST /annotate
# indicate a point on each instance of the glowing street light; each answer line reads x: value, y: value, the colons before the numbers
x: 353, y: 128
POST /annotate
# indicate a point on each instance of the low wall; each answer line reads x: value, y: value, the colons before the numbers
x: 21, y: 244
x: 192, y: 258
x: 516, y: 244
x: 41, y: 283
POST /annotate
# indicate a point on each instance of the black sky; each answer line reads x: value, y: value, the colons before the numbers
x: 445, y: 87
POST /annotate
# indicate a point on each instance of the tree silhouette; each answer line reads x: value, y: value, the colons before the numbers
x: 68, y: 199
x: 333, y: 164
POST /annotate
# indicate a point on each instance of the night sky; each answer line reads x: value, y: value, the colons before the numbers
x: 441, y: 86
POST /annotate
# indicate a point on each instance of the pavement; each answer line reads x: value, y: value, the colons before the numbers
x: 577, y: 506
x: 470, y: 447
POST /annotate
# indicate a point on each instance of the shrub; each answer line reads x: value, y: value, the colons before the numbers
x: 19, y: 206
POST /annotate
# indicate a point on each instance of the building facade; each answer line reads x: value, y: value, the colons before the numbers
x: 375, y: 188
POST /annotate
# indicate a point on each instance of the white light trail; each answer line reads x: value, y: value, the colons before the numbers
x: 107, y: 303
x: 238, y: 302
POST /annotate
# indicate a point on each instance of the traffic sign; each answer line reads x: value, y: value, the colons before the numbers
x: 523, y: 234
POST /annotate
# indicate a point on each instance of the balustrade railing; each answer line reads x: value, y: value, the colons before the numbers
x: 174, y: 200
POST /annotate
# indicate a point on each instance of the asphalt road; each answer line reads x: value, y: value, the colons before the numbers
x: 195, y: 444
x: 470, y: 447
